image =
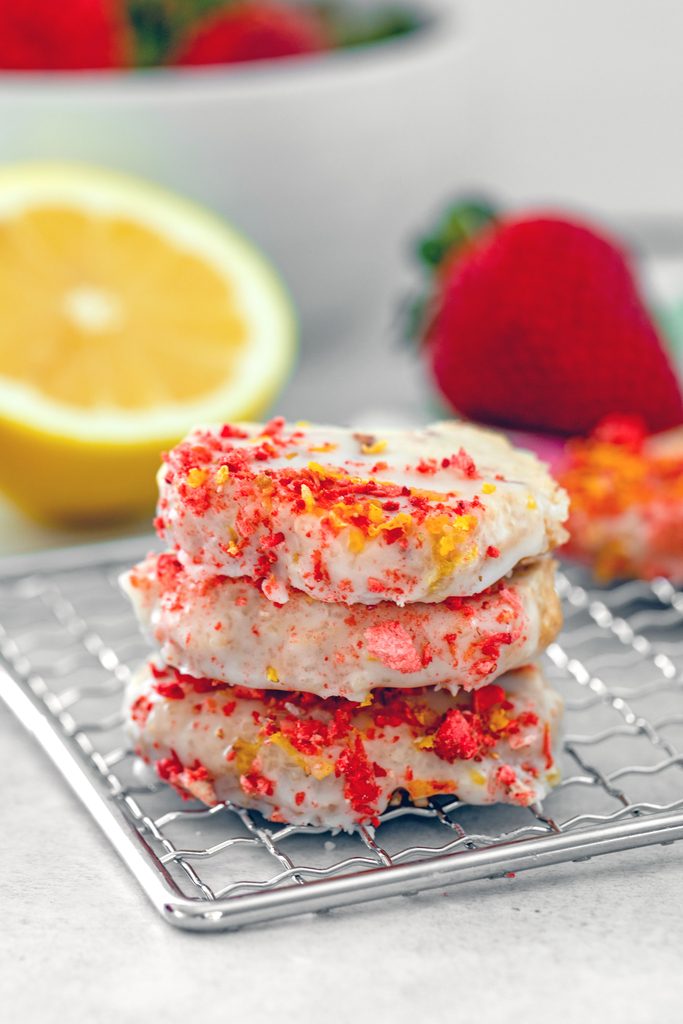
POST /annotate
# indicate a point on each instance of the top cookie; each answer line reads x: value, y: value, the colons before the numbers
x: 393, y: 515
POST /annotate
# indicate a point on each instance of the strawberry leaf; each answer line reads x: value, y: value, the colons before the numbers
x: 460, y: 223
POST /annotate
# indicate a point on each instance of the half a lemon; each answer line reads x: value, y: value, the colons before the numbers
x: 127, y: 315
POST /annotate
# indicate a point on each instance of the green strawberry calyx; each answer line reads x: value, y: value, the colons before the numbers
x: 459, y: 224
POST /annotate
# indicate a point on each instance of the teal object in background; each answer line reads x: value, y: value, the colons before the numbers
x: 661, y: 273
x: 670, y: 319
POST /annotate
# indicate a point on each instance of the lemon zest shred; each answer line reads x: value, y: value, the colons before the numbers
x: 449, y: 543
x: 196, y: 477
x: 245, y: 755
x: 356, y: 540
x: 401, y: 521
x: 335, y: 521
x: 328, y: 446
x: 278, y: 739
x: 420, y: 492
x: 307, y: 497
x: 426, y: 743
x: 374, y: 449
x: 418, y: 788
x: 318, y: 768
x: 375, y: 513
x: 498, y: 720
x: 324, y: 473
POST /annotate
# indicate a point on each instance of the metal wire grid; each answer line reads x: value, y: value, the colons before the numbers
x: 68, y: 643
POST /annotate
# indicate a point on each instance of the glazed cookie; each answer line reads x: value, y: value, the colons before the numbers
x: 208, y: 625
x: 297, y: 758
x: 399, y: 515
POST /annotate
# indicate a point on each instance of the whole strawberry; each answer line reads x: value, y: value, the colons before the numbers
x: 49, y: 35
x: 536, y: 322
x: 257, y: 30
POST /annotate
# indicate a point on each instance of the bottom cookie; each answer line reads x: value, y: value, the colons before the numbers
x: 299, y: 758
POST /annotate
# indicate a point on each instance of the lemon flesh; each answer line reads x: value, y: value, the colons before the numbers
x: 127, y: 315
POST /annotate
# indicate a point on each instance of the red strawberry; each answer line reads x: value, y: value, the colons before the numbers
x: 49, y: 35
x: 252, y: 31
x: 537, y: 323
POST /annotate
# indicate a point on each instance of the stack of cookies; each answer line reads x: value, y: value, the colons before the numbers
x: 348, y: 619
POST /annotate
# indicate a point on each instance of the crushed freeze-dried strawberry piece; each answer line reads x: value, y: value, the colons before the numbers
x: 457, y: 738
x: 465, y: 463
x: 491, y: 645
x: 168, y: 768
x: 391, y: 709
x: 360, y: 787
x: 169, y: 690
x: 228, y: 430
x: 506, y: 775
x: 273, y: 426
x: 485, y: 698
x: 202, y: 684
x: 308, y: 735
x: 391, y: 644
x: 248, y: 693
x: 196, y: 772
x: 256, y: 784
x: 140, y: 709
x: 167, y: 568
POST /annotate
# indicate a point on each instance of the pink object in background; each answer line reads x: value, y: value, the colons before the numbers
x: 548, y: 447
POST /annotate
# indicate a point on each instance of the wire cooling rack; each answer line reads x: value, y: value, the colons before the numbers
x: 68, y: 643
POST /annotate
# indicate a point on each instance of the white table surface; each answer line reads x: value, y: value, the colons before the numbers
x: 78, y: 942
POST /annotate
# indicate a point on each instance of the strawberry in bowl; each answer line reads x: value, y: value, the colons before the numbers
x: 82, y: 35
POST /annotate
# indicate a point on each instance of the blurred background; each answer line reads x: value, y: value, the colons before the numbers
x: 336, y: 158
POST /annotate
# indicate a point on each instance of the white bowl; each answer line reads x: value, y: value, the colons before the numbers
x: 329, y: 163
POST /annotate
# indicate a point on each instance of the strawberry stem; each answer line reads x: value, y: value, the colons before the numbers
x: 460, y: 223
